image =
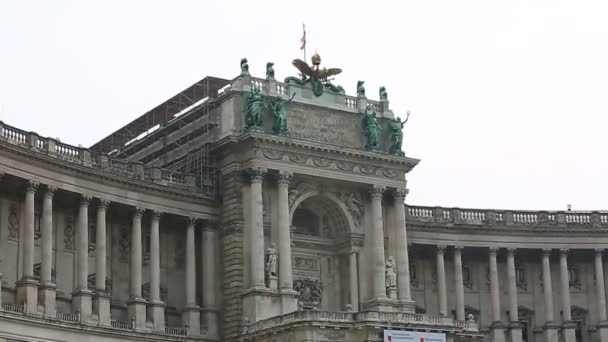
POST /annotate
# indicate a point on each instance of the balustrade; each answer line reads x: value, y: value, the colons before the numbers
x: 121, y: 325
x: 68, y: 317
x: 176, y: 331
x: 67, y: 152
x: 350, y: 102
x: 282, y: 89
x: 16, y: 308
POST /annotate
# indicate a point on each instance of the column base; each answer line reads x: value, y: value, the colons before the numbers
x: 569, y: 331
x: 209, y: 318
x: 515, y: 331
x: 191, y: 317
x: 27, y: 295
x: 551, y: 331
x: 82, y: 302
x: 47, y: 296
x: 136, y: 308
x: 602, y: 327
x: 101, y: 306
x: 497, y: 332
x: 156, y: 310
x: 289, y: 300
x: 391, y: 293
x: 382, y: 304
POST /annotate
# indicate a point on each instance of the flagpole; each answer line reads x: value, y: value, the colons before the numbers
x: 304, y: 40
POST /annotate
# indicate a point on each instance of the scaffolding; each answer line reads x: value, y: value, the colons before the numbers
x: 195, y: 105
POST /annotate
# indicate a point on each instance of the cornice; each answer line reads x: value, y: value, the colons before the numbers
x: 501, y: 230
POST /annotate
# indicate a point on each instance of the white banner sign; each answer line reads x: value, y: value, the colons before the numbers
x: 412, y: 336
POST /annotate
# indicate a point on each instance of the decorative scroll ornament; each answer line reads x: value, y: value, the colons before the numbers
x: 309, y: 290
x: 354, y: 204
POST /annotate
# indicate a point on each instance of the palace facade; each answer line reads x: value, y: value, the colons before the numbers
x: 256, y: 210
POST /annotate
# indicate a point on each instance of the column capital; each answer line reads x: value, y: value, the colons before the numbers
x: 458, y: 249
x: 85, y: 200
x: 156, y: 214
x: 32, y: 185
x: 256, y: 174
x: 547, y: 251
x: 564, y: 251
x: 139, y: 211
x: 192, y: 221
x: 284, y: 177
x: 440, y: 249
x: 376, y: 191
x: 400, y: 194
x: 50, y: 191
x: 494, y: 250
x: 511, y: 251
x: 103, y: 204
x: 599, y: 251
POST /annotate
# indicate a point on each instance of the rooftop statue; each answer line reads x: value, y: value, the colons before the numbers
x: 279, y: 114
x: 383, y: 94
x: 360, y: 89
x: 370, y: 125
x: 270, y: 71
x: 396, y: 131
x: 244, y: 67
x: 317, y: 77
x: 254, y: 106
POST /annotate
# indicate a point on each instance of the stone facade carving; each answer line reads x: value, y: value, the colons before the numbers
x: 271, y: 261
x: 309, y: 291
x: 68, y: 234
x: 13, y: 221
x: 354, y: 204
x: 391, y: 273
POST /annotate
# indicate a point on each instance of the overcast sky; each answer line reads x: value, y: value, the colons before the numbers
x: 508, y: 98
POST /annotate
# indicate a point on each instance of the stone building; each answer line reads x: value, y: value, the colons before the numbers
x: 256, y: 210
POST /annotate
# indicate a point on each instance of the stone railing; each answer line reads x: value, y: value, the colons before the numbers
x: 83, y: 156
x: 122, y: 325
x: 15, y: 308
x: 493, y: 217
x: 353, y: 317
x: 275, y: 88
x: 176, y: 331
x: 68, y: 317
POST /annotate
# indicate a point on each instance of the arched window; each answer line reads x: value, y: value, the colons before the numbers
x: 306, y: 221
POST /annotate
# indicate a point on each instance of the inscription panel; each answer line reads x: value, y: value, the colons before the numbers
x: 306, y: 265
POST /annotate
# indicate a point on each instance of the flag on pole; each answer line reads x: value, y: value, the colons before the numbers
x: 303, y: 40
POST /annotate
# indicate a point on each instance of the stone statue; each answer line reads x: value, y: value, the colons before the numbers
x: 244, y: 67
x: 271, y: 261
x: 383, y: 94
x: 391, y: 273
x: 471, y: 318
x: 371, y: 126
x: 360, y: 89
x: 279, y: 115
x: 269, y: 71
x: 255, y: 104
x: 396, y: 132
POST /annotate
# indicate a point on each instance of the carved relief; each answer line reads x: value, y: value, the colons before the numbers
x: 354, y: 204
x: 309, y: 290
x: 13, y: 222
x: 321, y: 162
x: 304, y: 262
x: 335, y: 335
x: 367, y: 169
x: 272, y: 154
x: 68, y: 234
x: 345, y: 166
x: 297, y: 190
x: 123, y: 243
x: 298, y: 158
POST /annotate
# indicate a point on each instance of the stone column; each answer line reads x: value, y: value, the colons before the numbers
x: 256, y: 226
x: 288, y: 295
x: 569, y: 327
x: 377, y: 248
x: 191, y: 314
x: 47, y: 289
x: 550, y: 326
x: 459, y: 283
x: 136, y: 304
x: 403, y: 263
x: 601, y: 295
x: 209, y: 276
x: 354, y: 281
x: 515, y: 326
x: 497, y: 328
x: 441, y: 286
x: 82, y: 298
x: 27, y: 286
x: 156, y: 304
x: 102, y: 297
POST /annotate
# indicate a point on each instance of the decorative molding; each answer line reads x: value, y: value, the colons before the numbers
x: 284, y: 177
x: 256, y: 174
x: 354, y: 205
x: 103, y: 204
x: 309, y: 291
x: 376, y: 192
x: 32, y: 185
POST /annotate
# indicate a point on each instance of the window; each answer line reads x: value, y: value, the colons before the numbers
x: 37, y: 224
x: 520, y: 278
x: 306, y: 221
x: 467, y: 277
x: 92, y: 235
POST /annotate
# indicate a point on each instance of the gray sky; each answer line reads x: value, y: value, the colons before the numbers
x: 508, y: 98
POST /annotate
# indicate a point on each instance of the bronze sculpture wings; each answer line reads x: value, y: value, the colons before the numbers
x: 304, y: 68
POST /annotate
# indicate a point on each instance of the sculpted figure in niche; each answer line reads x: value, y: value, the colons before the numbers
x: 396, y: 132
x: 271, y: 261
x: 255, y: 104
x: 391, y: 273
x: 370, y: 126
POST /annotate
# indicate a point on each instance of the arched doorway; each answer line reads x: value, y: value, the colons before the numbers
x: 321, y: 228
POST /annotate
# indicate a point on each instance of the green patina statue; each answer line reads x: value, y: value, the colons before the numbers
x: 396, y: 132
x: 316, y: 77
x: 279, y: 115
x: 360, y: 89
x: 270, y: 71
x: 244, y: 67
x: 253, y: 110
x: 383, y: 94
x: 371, y: 127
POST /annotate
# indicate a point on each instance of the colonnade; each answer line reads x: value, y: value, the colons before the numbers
x: 497, y: 327
x: 28, y: 288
